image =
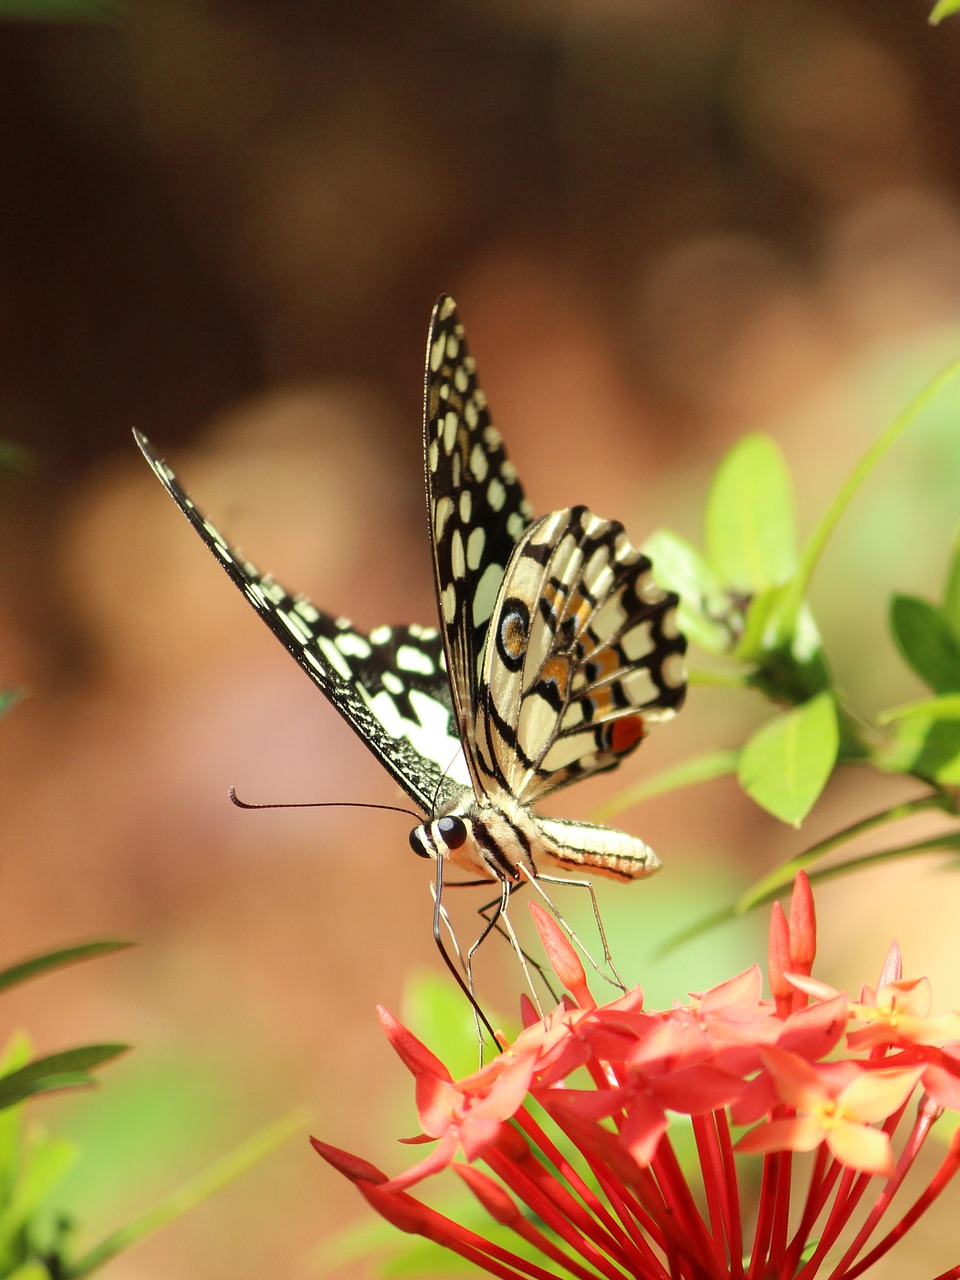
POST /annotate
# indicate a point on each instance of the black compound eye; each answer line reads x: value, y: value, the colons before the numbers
x: 453, y: 832
x: 417, y: 845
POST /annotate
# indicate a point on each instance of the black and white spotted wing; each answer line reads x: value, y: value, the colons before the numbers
x: 476, y: 509
x: 555, y: 651
x: 583, y: 657
x: 389, y: 684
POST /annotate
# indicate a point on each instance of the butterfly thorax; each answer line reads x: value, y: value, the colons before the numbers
x: 501, y: 839
x: 492, y: 837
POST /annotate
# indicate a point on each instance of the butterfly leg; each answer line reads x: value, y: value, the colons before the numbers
x: 500, y: 920
x: 525, y: 955
x: 537, y: 881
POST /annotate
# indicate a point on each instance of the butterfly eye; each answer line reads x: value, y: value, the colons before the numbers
x: 453, y: 832
x: 417, y: 845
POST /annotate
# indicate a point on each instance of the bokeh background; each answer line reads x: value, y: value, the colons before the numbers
x: 226, y: 223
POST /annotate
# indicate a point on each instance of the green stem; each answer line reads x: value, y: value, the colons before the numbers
x: 797, y: 589
x: 767, y: 888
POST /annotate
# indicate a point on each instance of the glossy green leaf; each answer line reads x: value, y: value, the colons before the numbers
x: 786, y: 763
x: 927, y: 642
x: 37, y: 965
x: 704, y: 603
x: 943, y: 9
x: 750, y: 527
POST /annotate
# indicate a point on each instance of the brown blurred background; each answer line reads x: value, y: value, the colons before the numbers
x: 225, y: 224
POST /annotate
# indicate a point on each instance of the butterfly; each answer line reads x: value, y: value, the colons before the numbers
x: 555, y: 651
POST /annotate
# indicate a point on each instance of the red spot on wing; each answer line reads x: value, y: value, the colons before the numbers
x: 626, y: 733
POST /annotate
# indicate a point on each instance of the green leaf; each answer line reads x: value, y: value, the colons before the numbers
x: 37, y: 965
x: 814, y: 546
x: 927, y: 643
x: 786, y: 763
x: 951, y: 591
x: 750, y: 527
x: 30, y: 1271
x: 928, y: 748
x: 946, y: 707
x: 64, y: 1070
x: 942, y: 9
x: 62, y: 10
x: 46, y: 1163
x: 680, y: 567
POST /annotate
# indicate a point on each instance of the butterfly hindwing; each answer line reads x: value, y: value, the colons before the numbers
x: 476, y: 506
x: 583, y: 656
x: 389, y: 684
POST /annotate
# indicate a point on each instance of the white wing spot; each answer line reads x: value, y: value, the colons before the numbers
x: 486, y: 593
x: 466, y: 506
x: 353, y: 645
x: 307, y: 611
x: 478, y: 463
x: 515, y: 524
x: 411, y: 659
x: 475, y: 544
x: 334, y: 657
x: 496, y: 494
x: 392, y: 683
x: 380, y: 635
x: 442, y: 513
x: 450, y: 424
x: 448, y: 602
x: 458, y: 563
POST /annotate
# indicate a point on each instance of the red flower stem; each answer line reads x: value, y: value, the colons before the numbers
x: 781, y: 1210
x: 711, y: 1167
x: 761, y: 1234
x: 412, y: 1216
x: 569, y: 1174
x: 636, y: 1221
x: 844, y: 1203
x: 587, y: 1238
x: 685, y: 1216
x: 731, y: 1199
x: 947, y: 1170
x: 527, y: 1231
x: 823, y: 1177
x: 918, y: 1135
x: 952, y: 1274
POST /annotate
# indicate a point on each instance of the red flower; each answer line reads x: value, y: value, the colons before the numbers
x: 727, y: 1056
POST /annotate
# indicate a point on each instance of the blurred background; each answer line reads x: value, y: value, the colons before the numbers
x: 226, y: 223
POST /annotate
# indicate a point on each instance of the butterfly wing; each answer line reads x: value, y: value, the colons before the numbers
x: 476, y: 509
x: 390, y: 684
x: 583, y: 656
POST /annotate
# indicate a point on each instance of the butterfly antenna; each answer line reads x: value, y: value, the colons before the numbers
x: 322, y: 804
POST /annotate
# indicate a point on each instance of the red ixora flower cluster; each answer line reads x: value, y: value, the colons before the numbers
x: 810, y: 1070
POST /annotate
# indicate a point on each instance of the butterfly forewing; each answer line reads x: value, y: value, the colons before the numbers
x: 476, y: 506
x: 389, y: 684
x: 582, y: 656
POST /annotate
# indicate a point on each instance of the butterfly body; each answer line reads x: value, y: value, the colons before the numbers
x: 554, y: 653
